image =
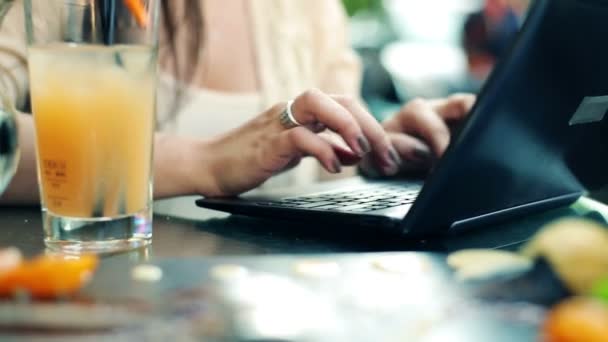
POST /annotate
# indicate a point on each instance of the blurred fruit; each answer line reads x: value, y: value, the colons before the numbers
x: 48, y: 276
x: 9, y: 258
x: 577, y: 250
x: 577, y: 320
x: 472, y: 264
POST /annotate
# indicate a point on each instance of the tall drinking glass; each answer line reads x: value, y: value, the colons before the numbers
x: 92, y: 70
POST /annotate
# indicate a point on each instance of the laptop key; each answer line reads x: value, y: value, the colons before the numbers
x: 380, y: 206
x: 315, y: 204
x: 307, y: 198
x: 367, y: 200
x: 329, y: 207
x: 354, y: 207
x: 360, y: 210
x: 337, y: 199
x: 269, y: 204
x: 293, y: 201
x: 346, y: 201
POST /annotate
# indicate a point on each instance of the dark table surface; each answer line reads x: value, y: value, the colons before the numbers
x: 363, y: 302
x: 183, y: 230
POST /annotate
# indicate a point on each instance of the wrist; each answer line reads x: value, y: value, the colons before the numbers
x: 201, y: 165
x: 182, y: 166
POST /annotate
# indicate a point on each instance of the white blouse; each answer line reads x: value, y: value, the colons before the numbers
x: 204, y: 112
x: 207, y: 113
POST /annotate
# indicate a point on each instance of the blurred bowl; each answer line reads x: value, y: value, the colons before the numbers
x: 424, y: 69
x: 437, y: 21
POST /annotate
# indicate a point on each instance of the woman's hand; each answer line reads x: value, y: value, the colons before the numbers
x: 246, y: 157
x: 420, y: 132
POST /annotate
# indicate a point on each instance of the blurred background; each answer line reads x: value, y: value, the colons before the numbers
x: 429, y: 48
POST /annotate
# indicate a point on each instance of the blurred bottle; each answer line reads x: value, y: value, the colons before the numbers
x: 487, y: 35
x: 8, y: 127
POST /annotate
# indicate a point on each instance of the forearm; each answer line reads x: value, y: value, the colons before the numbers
x: 181, y: 167
x: 23, y: 189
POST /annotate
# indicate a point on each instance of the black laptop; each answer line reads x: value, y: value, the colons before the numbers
x: 537, y: 138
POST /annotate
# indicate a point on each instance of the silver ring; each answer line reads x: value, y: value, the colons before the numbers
x: 287, y: 119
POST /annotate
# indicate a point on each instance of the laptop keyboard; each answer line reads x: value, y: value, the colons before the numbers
x: 355, y: 201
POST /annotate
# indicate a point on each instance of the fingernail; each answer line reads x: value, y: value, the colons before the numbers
x: 318, y: 127
x: 390, y: 170
x: 336, y: 166
x: 423, y: 154
x: 364, y: 146
x: 395, y: 156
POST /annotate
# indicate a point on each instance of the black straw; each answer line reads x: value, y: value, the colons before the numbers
x: 107, y: 16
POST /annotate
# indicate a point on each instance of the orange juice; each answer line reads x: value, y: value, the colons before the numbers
x: 93, y: 110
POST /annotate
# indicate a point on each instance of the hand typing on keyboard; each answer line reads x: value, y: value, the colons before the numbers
x: 277, y: 139
x: 420, y: 132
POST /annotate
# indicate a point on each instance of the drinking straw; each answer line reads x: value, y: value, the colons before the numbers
x: 138, y: 10
x: 107, y: 16
x: 108, y: 20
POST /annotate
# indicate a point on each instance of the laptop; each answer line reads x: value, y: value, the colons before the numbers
x: 537, y: 138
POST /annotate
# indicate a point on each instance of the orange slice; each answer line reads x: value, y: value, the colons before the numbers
x: 48, y: 276
x: 577, y: 320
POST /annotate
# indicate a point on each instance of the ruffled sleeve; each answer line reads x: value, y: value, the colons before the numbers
x: 339, y: 66
x: 13, y: 56
x: 13, y: 47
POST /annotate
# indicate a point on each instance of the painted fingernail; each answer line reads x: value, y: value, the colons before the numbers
x: 423, y: 154
x: 390, y: 170
x: 318, y: 127
x: 395, y: 158
x: 364, y: 146
x: 336, y: 166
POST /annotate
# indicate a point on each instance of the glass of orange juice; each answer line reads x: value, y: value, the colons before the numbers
x: 92, y: 67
